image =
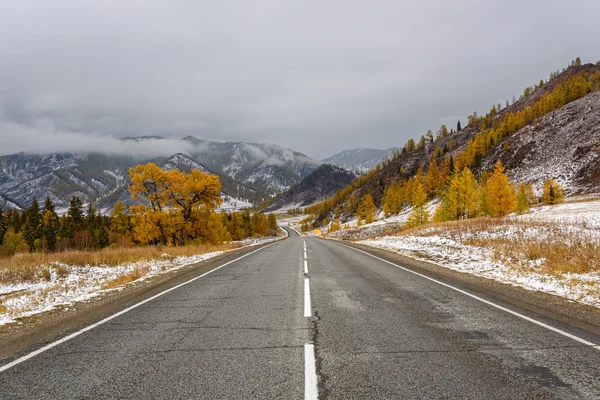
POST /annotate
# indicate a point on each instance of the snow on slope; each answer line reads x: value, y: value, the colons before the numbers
x: 563, y: 145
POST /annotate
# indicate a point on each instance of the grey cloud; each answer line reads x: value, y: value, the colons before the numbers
x: 315, y: 76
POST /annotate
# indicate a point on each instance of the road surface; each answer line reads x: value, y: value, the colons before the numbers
x: 343, y: 325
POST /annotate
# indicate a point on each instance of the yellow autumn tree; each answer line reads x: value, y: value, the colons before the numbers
x: 432, y: 178
x: 500, y: 195
x: 419, y: 214
x: 366, y: 210
x: 553, y: 192
x: 461, y: 200
x: 119, y: 221
x: 393, y: 199
x: 175, y: 202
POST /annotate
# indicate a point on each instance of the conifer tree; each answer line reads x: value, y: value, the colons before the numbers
x: 500, y: 193
x: 432, y: 178
x: 31, y: 229
x: 553, y: 192
x: 533, y: 199
x: 458, y: 127
x: 3, y: 226
x: 419, y: 214
x: 366, y: 210
x: 463, y: 196
x: 75, y: 216
x: 50, y: 225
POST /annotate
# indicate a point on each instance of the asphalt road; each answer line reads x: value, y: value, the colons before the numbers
x: 354, y: 327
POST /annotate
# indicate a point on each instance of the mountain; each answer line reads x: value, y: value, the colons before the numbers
x: 269, y: 167
x: 360, y: 160
x: 320, y: 184
x: 61, y: 176
x: 249, y: 172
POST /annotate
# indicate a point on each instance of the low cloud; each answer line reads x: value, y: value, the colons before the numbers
x: 18, y: 138
x: 314, y: 76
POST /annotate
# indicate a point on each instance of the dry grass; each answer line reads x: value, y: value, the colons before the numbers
x: 31, y: 267
x: 575, y: 250
x: 125, y: 278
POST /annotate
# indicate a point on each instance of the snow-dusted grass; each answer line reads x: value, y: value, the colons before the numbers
x: 34, y: 283
x: 553, y: 249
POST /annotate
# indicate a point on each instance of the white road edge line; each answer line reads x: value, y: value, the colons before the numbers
x: 305, y: 255
x: 310, y: 373
x: 305, y: 267
x: 105, y: 320
x: 307, y: 307
x: 516, y: 314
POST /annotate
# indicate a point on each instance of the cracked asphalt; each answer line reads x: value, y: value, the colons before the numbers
x: 378, y: 332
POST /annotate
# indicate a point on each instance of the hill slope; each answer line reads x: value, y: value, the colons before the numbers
x: 361, y: 160
x: 320, y: 184
x: 562, y: 144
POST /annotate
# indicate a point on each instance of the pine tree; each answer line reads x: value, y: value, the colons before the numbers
x: 3, y: 226
x: 31, y: 229
x: 75, y: 216
x: 101, y: 239
x: 500, y: 193
x: 50, y: 225
x: 553, y: 192
x: 419, y: 214
x: 458, y: 127
x: 90, y: 218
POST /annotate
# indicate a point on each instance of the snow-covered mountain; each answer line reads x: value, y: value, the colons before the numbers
x: 360, y: 160
x: 61, y: 176
x: 268, y: 167
x: 249, y: 172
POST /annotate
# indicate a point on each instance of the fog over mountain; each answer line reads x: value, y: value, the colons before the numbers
x: 317, y: 77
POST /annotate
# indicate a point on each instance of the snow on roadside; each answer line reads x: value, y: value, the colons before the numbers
x: 80, y: 284
x: 474, y: 260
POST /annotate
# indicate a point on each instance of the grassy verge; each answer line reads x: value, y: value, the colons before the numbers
x: 558, y: 248
x: 31, y: 267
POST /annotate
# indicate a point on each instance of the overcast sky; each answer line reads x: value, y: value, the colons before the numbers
x: 316, y: 76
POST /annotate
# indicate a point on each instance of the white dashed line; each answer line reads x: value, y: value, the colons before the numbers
x: 307, y: 307
x: 310, y: 373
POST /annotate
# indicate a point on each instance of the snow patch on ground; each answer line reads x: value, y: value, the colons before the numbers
x: 80, y: 283
x: 480, y: 262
